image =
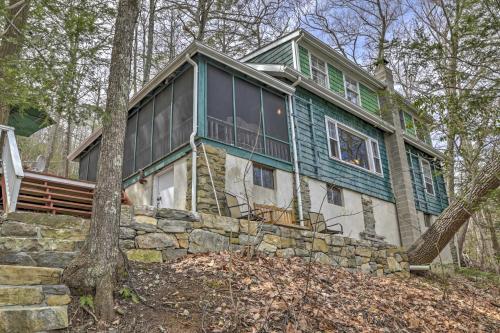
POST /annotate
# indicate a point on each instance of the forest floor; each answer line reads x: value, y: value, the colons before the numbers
x: 231, y: 293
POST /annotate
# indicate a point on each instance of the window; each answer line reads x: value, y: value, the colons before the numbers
x: 352, y: 147
x: 427, y: 176
x: 220, y: 105
x: 334, y: 195
x: 427, y: 220
x: 376, y: 157
x: 263, y: 176
x: 351, y: 90
x: 318, y: 71
x: 248, y: 116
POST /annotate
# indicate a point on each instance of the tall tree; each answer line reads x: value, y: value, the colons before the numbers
x: 16, y: 15
x: 98, y: 266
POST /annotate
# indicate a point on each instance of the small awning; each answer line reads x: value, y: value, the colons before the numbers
x: 28, y: 120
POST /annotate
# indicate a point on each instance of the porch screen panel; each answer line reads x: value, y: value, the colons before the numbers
x: 276, y: 125
x: 84, y: 163
x: 129, y: 146
x: 182, y: 115
x: 220, y: 105
x: 144, y: 126
x: 93, y: 160
x: 161, y: 123
x: 248, y: 122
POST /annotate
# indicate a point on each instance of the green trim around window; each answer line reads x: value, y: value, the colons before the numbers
x: 336, y: 80
x: 304, y: 61
x: 369, y: 99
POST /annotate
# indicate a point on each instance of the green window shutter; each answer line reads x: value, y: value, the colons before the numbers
x: 336, y: 80
x: 369, y: 99
x: 304, y: 61
x: 409, y: 124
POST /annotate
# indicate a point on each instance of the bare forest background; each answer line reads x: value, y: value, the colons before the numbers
x: 444, y: 54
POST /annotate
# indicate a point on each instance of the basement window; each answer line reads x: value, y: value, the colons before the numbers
x: 427, y: 176
x: 334, y: 195
x: 263, y: 176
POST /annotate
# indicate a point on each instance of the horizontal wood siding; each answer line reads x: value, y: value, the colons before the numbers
x: 431, y: 204
x: 314, y: 160
x: 281, y: 54
x: 369, y: 99
x: 304, y: 61
x: 336, y: 80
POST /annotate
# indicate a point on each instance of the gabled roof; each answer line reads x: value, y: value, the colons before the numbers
x: 193, y: 49
x: 317, y: 44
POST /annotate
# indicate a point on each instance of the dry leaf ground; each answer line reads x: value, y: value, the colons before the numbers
x: 231, y: 293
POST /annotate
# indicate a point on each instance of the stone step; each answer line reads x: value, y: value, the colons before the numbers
x: 29, y: 275
x: 49, y: 220
x: 30, y: 244
x: 33, y: 318
x: 22, y: 229
x: 42, y: 259
x: 50, y: 295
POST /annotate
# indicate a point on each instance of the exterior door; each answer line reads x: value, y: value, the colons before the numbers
x: 165, y: 190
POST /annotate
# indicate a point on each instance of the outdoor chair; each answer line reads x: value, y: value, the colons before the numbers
x: 239, y: 211
x: 317, y: 222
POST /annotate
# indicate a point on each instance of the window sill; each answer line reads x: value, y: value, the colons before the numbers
x: 356, y: 166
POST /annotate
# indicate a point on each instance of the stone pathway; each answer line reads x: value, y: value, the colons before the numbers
x: 34, y: 249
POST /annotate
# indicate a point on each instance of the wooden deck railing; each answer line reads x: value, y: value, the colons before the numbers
x: 55, y: 195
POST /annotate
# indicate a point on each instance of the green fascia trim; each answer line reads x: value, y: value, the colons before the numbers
x: 160, y: 164
x: 304, y: 61
x: 336, y: 79
x: 369, y: 99
x: 259, y: 158
x: 28, y: 121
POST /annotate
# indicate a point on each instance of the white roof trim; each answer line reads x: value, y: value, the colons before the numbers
x: 192, y: 49
x: 323, y: 92
x: 426, y: 148
x: 272, y: 45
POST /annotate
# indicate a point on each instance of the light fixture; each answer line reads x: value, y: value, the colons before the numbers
x: 279, y: 111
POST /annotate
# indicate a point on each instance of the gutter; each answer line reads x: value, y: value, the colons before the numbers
x: 295, y: 157
x: 194, y: 153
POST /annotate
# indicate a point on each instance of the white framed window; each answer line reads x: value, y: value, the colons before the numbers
x: 350, y: 146
x: 427, y: 176
x: 263, y: 176
x: 334, y: 195
x: 318, y: 71
x: 351, y: 90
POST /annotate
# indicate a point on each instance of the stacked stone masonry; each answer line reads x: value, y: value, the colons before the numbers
x: 156, y: 235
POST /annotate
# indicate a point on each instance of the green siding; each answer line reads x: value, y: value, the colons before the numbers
x: 314, y: 160
x: 369, y: 99
x: 336, y: 80
x: 281, y: 54
x: 432, y: 204
x: 304, y: 61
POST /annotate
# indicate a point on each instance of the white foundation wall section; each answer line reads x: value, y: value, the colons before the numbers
x: 445, y: 256
x: 281, y: 195
x: 166, y: 188
x: 350, y: 214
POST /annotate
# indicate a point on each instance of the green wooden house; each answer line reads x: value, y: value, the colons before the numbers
x: 293, y: 125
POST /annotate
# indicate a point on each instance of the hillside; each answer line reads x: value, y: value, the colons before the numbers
x: 231, y: 293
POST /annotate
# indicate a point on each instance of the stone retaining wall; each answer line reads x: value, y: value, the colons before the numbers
x: 155, y: 235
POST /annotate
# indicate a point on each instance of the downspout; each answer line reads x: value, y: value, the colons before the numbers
x: 194, y: 154
x: 295, y: 158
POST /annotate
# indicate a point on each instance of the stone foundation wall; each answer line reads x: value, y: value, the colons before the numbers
x: 155, y: 235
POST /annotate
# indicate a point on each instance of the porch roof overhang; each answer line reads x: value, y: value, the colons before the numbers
x: 293, y: 75
x: 193, y: 49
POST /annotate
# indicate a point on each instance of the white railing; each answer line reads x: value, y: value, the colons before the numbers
x: 12, y: 169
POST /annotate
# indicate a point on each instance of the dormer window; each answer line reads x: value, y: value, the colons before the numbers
x: 318, y: 71
x: 351, y: 90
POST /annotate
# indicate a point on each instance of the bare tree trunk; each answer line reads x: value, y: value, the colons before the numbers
x: 67, y: 148
x: 134, y: 73
x: 429, y: 245
x: 15, y: 20
x: 52, y: 142
x: 149, y: 50
x: 100, y: 262
x: 461, y: 242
